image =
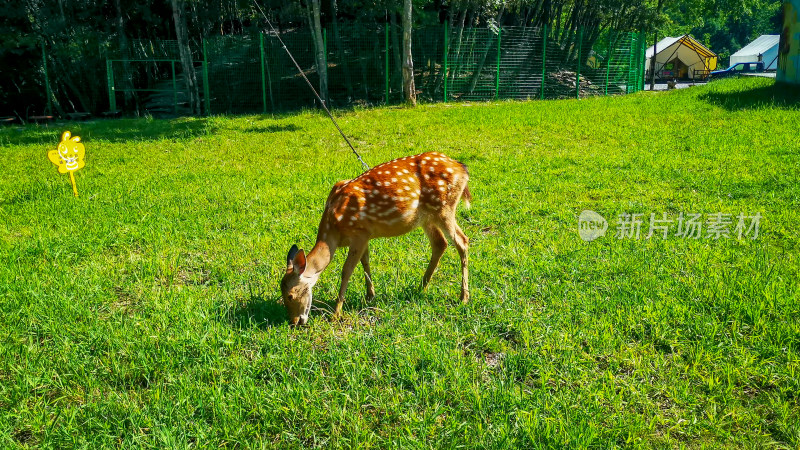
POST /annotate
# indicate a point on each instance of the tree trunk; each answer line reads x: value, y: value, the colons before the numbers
x: 454, y: 64
x: 123, y: 50
x: 186, y: 56
x: 409, y: 91
x: 653, y: 62
x: 337, y: 37
x: 442, y: 74
x: 655, y: 43
x: 398, y: 60
x: 319, y: 49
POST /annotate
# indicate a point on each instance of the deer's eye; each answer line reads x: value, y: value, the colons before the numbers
x: 290, y: 297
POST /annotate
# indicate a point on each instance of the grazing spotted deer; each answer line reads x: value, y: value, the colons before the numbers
x: 388, y: 200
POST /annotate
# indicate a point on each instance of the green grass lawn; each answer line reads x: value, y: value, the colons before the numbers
x: 145, y: 313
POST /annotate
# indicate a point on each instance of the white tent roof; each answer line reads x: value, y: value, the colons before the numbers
x: 661, y: 45
x: 761, y: 45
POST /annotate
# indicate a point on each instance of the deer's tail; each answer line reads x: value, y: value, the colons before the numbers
x: 466, y: 195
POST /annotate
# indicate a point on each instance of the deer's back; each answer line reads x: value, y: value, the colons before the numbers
x: 397, y: 196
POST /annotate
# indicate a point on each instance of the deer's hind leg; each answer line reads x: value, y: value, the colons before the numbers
x: 438, y: 246
x: 461, y: 241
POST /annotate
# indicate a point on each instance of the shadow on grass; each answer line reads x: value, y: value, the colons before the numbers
x: 111, y: 130
x: 272, y: 129
x: 777, y: 95
x: 126, y: 130
x: 257, y: 311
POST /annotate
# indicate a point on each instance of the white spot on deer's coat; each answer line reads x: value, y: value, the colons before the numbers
x: 394, y: 180
x: 375, y: 192
x: 415, y: 203
x: 449, y: 170
x: 441, y: 182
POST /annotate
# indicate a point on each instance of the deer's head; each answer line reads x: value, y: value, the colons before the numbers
x: 296, y: 288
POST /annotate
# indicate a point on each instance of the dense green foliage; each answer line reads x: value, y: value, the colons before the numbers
x: 724, y: 26
x: 145, y: 312
x: 78, y: 36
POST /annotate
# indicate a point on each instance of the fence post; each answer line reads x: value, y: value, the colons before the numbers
x: 642, y: 49
x: 263, y: 75
x: 174, y: 89
x: 544, y: 58
x: 608, y: 60
x: 578, y: 65
x: 112, y: 100
x: 446, y: 50
x: 633, y: 71
x: 206, y: 88
x: 47, y: 82
x: 640, y: 63
x: 386, y: 57
x: 497, y: 78
x: 636, y: 59
x: 629, y: 65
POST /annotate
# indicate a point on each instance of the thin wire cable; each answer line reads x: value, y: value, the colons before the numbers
x: 324, y: 106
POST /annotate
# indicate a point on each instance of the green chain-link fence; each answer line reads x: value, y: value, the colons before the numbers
x: 253, y: 74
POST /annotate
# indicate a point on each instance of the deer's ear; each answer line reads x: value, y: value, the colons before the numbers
x: 299, y: 262
x: 296, y: 260
x: 292, y: 251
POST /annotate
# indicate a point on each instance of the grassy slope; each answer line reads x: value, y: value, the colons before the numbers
x: 145, y: 312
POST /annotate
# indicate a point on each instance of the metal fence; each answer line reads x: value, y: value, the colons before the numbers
x: 253, y: 74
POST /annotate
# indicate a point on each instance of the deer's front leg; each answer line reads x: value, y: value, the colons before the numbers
x: 353, y: 256
x: 368, y: 275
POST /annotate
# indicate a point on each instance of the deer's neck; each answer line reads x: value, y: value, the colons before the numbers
x: 319, y: 257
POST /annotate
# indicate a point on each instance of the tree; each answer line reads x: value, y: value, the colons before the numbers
x: 655, y: 50
x: 189, y: 75
x: 409, y: 90
x: 315, y: 24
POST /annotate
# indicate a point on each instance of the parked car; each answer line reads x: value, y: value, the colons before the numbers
x: 738, y: 69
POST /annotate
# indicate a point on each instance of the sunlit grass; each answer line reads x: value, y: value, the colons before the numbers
x: 145, y: 312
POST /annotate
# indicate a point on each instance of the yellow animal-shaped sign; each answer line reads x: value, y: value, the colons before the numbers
x: 68, y: 157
